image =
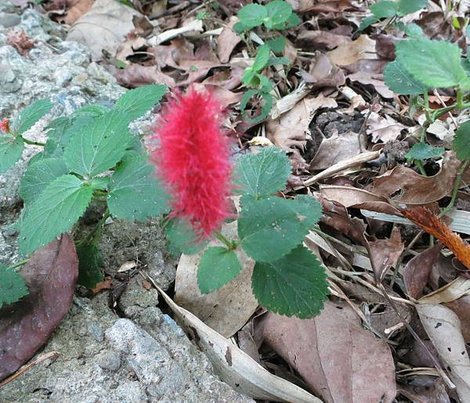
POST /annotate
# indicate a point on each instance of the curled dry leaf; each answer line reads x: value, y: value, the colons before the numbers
x: 234, y: 366
x: 51, y: 275
x: 323, y: 73
x: 461, y: 307
x: 227, y: 309
x: 417, y: 271
x: 336, y: 357
x: 403, y: 185
x: 136, y: 75
x: 349, y: 53
x: 321, y: 39
x: 381, y: 128
x: 435, y: 226
x: 443, y: 328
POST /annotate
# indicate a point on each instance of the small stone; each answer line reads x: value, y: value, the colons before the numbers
x: 109, y: 360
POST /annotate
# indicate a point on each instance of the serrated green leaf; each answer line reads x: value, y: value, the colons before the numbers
x: 423, y: 151
x: 54, y: 212
x: 217, y: 267
x: 434, y: 63
x: 405, y: 7
x: 384, y: 9
x: 12, y: 286
x: 90, y: 263
x: 261, y: 59
x: 30, y: 115
x: 413, y: 30
x: 262, y: 174
x: 93, y: 110
x: 291, y: 22
x: 277, y: 44
x: 270, y: 228
x: 135, y: 103
x: 462, y: 141
x: 367, y: 22
x: 134, y: 191
x: 38, y: 175
x: 401, y: 82
x: 278, y: 12
x: 278, y: 61
x: 252, y: 15
x: 294, y: 285
x: 11, y: 149
x: 99, y: 146
x: 182, y: 238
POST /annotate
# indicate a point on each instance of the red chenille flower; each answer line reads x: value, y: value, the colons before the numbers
x: 192, y: 159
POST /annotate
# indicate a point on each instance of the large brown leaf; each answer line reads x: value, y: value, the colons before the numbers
x: 337, y: 358
x: 51, y: 275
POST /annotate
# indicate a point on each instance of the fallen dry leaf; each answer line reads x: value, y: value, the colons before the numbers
x: 336, y: 357
x: 76, y: 10
x: 461, y: 307
x: 338, y: 147
x: 227, y: 41
x: 323, y: 73
x: 381, y: 128
x: 403, y: 185
x: 417, y: 271
x: 227, y: 309
x: 385, y: 253
x: 349, y: 53
x: 443, y: 328
x: 103, y: 27
x: 51, y: 275
x: 321, y: 40
x: 136, y: 75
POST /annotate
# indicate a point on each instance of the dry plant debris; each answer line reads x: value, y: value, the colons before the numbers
x: 399, y: 292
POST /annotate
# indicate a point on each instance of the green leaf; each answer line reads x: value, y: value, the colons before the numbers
x: 134, y: 192
x: 277, y: 44
x: 436, y: 64
x: 39, y: 175
x: 90, y: 263
x: 12, y: 286
x: 401, y: 82
x: 367, y: 22
x: 413, y: 30
x: 278, y: 12
x: 54, y: 212
x: 182, y: 239
x: 261, y: 59
x: 252, y: 15
x: 217, y: 267
x: 462, y: 141
x: 384, y: 9
x: 135, y: 103
x: 423, y: 151
x: 291, y: 22
x: 99, y: 146
x: 270, y: 228
x: 266, y: 105
x: 405, y: 7
x: 11, y: 149
x: 30, y: 115
x: 262, y: 174
x: 294, y: 285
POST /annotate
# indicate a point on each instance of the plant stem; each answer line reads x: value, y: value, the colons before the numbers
x: 420, y: 166
x: 231, y: 245
x: 21, y: 263
x: 455, y: 190
x: 33, y: 143
x: 95, y: 235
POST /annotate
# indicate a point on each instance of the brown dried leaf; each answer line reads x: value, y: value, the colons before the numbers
x: 136, y: 75
x: 78, y: 8
x: 51, y: 275
x: 227, y: 41
x: 321, y: 6
x: 425, y: 389
x: 337, y: 148
x: 321, y: 40
x: 103, y: 27
x: 381, y: 128
x: 20, y: 41
x: 403, y: 185
x: 338, y: 368
x: 461, y: 307
x: 349, y: 53
x: 385, y: 253
x: 435, y: 226
x: 417, y: 271
x: 322, y: 73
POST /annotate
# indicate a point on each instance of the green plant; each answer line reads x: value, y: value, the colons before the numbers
x: 269, y: 19
x: 420, y: 66
x: 89, y: 156
x: 394, y: 11
x: 287, y: 278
